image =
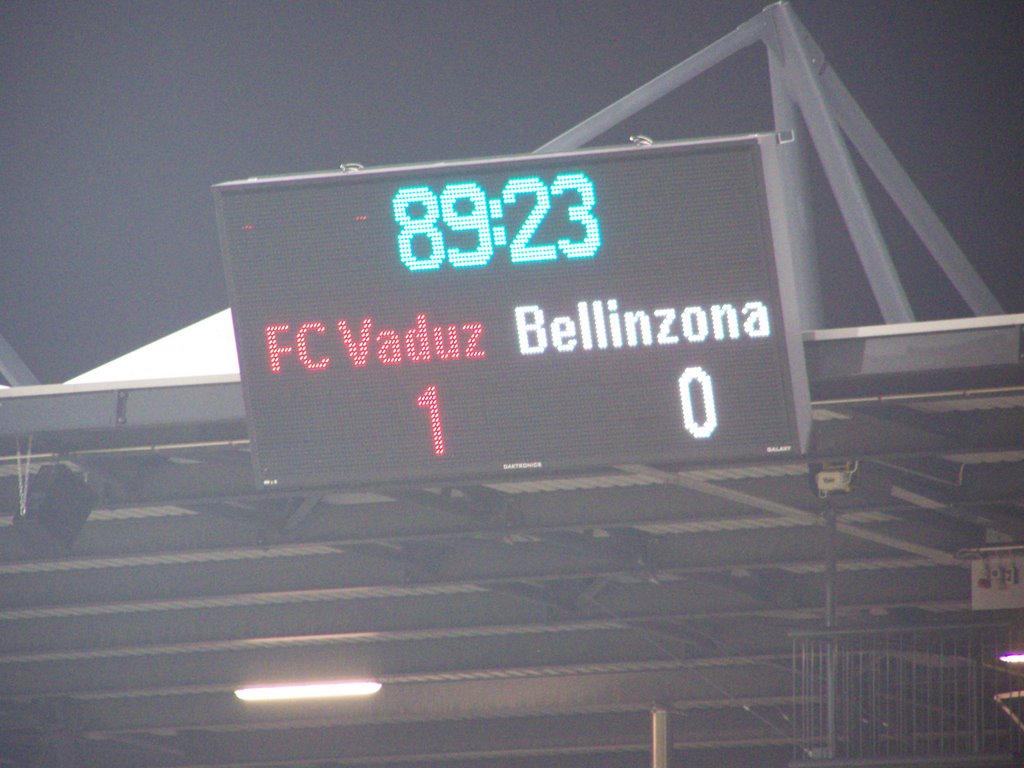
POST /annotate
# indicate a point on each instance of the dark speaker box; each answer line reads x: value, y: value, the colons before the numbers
x: 59, y: 501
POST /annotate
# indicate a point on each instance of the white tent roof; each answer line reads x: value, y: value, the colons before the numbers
x: 206, y: 348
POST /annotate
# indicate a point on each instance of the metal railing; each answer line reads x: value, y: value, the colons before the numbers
x: 899, y: 694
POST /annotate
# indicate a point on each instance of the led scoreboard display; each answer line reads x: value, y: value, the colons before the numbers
x: 516, y: 315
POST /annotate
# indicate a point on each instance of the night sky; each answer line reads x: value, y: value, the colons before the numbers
x: 116, y: 118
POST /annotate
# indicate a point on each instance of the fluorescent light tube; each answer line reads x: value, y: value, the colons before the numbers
x: 308, y: 690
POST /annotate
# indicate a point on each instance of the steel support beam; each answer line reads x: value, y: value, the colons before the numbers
x: 13, y: 368
x: 574, y: 691
x: 744, y: 35
x: 907, y: 197
x: 938, y: 556
x: 802, y: 61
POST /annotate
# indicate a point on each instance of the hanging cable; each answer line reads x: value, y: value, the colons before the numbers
x: 24, y: 475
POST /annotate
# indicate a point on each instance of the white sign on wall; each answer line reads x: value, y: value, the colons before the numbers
x: 996, y: 582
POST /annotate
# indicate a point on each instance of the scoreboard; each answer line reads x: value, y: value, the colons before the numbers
x: 517, y: 315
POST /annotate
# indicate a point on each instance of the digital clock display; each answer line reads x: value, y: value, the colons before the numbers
x: 495, y: 318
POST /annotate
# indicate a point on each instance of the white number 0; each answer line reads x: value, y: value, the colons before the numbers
x: 697, y: 375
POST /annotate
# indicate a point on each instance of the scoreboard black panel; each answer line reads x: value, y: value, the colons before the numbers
x: 515, y: 315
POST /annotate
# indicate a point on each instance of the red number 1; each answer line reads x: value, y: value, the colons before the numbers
x: 432, y: 403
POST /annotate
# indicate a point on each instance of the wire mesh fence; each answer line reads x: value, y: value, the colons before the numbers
x: 908, y: 693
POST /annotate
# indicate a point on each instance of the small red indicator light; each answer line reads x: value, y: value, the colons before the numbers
x: 249, y: 226
x: 361, y: 218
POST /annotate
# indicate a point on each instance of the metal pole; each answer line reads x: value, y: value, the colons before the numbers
x: 831, y: 672
x: 661, y: 738
x: 793, y: 159
x: 830, y: 567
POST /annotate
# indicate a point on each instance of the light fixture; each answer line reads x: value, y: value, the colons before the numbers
x: 293, y: 691
x: 1015, y: 657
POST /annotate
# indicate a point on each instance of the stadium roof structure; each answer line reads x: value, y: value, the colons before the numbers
x: 631, y: 615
